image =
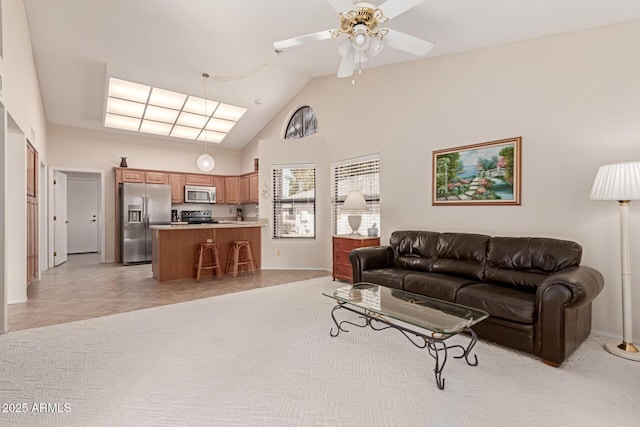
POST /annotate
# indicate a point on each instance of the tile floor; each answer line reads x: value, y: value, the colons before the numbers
x: 83, y: 288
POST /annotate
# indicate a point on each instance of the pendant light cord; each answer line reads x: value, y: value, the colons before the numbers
x: 205, y: 76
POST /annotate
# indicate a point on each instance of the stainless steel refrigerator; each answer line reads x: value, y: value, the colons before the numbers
x: 141, y: 205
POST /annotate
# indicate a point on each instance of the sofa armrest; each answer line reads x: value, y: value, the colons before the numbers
x: 564, y: 311
x: 584, y: 283
x: 368, y: 258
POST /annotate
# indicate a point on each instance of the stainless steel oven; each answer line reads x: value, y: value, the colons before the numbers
x: 198, y: 194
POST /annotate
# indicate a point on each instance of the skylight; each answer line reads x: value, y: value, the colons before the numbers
x: 141, y: 108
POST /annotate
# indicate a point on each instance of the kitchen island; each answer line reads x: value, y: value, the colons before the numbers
x: 173, y: 252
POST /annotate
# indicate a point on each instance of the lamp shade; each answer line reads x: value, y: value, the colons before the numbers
x: 205, y: 163
x: 619, y: 181
x: 354, y: 201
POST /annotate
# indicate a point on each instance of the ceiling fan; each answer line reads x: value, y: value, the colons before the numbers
x: 359, y: 21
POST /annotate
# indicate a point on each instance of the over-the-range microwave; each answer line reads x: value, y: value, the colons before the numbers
x: 199, y: 194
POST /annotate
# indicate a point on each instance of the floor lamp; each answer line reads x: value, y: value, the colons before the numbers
x: 621, y: 182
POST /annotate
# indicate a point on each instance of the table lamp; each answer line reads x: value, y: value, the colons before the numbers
x: 621, y: 182
x: 354, y: 202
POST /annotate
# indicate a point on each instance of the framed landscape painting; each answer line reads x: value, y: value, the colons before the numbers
x: 479, y: 174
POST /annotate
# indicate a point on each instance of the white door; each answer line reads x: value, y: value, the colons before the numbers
x: 82, y: 212
x: 59, y: 218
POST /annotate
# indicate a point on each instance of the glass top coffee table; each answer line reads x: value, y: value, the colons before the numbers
x: 425, y: 322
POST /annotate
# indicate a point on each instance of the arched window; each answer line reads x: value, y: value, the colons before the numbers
x: 302, y: 123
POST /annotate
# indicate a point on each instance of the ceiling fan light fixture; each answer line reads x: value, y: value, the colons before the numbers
x: 375, y: 46
x: 359, y: 22
x: 361, y: 37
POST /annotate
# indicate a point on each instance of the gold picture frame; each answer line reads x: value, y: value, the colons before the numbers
x: 488, y: 173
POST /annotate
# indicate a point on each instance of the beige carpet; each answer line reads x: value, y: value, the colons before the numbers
x: 265, y: 358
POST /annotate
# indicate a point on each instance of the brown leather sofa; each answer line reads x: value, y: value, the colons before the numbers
x: 537, y: 294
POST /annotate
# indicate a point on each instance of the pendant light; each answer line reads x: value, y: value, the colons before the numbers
x: 205, y: 162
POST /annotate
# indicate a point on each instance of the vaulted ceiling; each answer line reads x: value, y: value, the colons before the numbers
x: 79, y: 44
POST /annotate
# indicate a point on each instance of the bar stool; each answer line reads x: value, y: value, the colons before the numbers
x: 212, y: 248
x: 240, y: 254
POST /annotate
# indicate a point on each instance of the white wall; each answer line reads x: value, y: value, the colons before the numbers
x: 21, y: 90
x: 292, y: 253
x: 23, y: 103
x: 3, y: 236
x: 574, y: 99
x: 16, y: 226
x: 84, y: 149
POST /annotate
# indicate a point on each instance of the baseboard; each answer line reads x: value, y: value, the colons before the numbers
x: 17, y: 302
x: 295, y: 268
x: 613, y: 337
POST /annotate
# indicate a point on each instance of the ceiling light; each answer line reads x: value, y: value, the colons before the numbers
x: 121, y: 122
x: 211, y: 136
x: 160, y: 114
x: 193, y: 120
x: 220, y: 125
x: 229, y: 112
x: 128, y: 90
x: 197, y: 105
x: 164, y: 112
x: 125, y: 108
x: 205, y: 162
x: 157, y: 128
x: 185, y: 132
x: 360, y: 37
x: 166, y: 98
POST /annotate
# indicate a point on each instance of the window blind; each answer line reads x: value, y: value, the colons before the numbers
x: 294, y: 201
x: 362, y: 174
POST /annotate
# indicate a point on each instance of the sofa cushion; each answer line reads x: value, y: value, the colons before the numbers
x: 461, y: 254
x: 414, y: 250
x: 435, y: 285
x: 526, y: 261
x: 505, y: 302
x: 389, y: 277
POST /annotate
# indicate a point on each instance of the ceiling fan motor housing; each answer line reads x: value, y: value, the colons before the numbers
x: 366, y: 15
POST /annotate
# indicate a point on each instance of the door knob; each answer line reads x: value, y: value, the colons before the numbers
x: 66, y: 222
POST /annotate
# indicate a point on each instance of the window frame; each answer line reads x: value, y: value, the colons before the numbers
x: 355, y: 172
x: 303, y: 122
x: 283, y: 201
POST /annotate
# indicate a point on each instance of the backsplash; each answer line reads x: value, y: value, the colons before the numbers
x: 228, y: 212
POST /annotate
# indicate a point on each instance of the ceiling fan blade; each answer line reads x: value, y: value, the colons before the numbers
x: 347, y: 63
x: 341, y: 5
x: 297, y: 41
x: 393, y: 8
x: 407, y: 43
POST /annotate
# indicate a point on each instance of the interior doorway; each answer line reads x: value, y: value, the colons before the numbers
x: 82, y: 214
x: 84, y: 225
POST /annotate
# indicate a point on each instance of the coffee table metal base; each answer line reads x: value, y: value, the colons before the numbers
x: 435, y: 343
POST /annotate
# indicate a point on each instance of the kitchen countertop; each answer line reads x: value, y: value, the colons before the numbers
x: 221, y: 224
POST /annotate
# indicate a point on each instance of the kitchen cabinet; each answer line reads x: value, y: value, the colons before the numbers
x: 232, y: 190
x: 156, y: 178
x: 253, y: 188
x: 131, y: 175
x: 249, y: 188
x: 218, y: 183
x: 342, y: 246
x: 244, y: 189
x: 193, y: 179
x: 176, y: 181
